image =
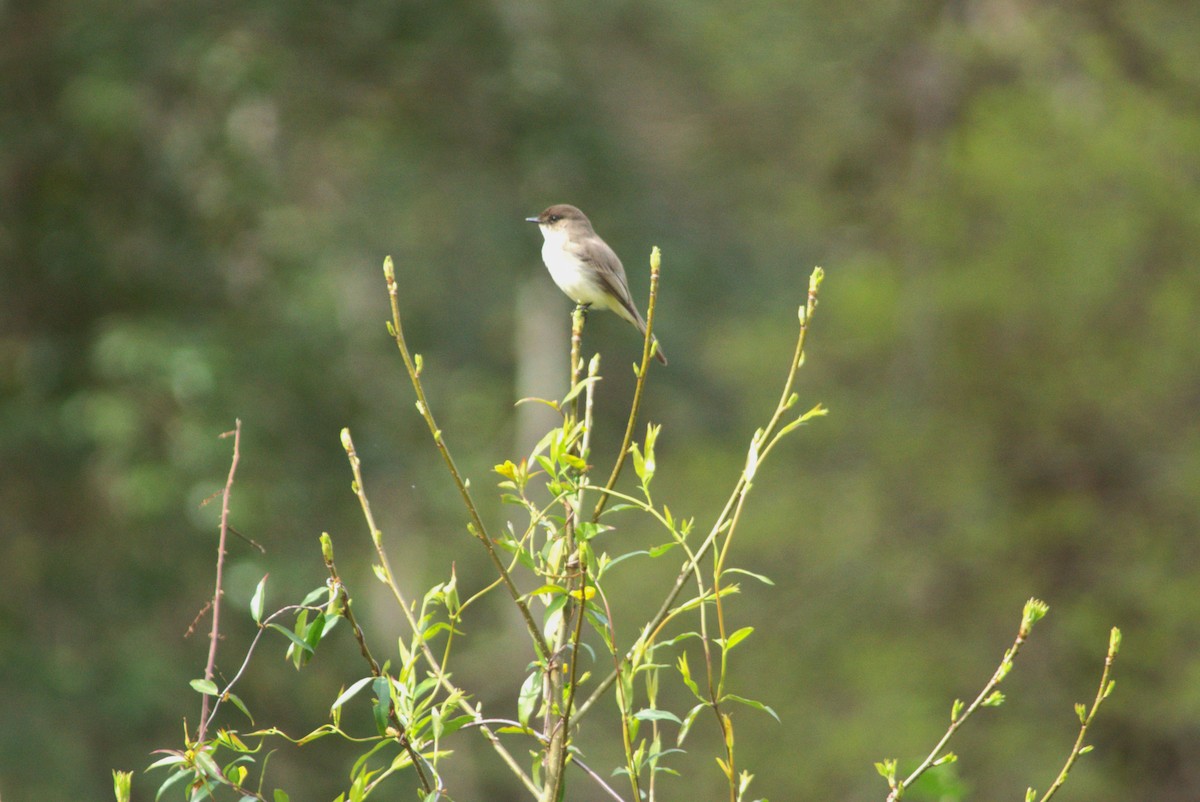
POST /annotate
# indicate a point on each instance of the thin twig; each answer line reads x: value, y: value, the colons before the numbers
x: 215, y: 634
x: 786, y: 401
x: 430, y: 658
x: 262, y: 630
x: 648, y: 347
x: 556, y: 717
x: 479, y: 530
x: 1106, y: 686
x: 1034, y: 610
x: 348, y: 613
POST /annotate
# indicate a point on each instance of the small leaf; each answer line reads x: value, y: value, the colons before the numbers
x: 240, y: 705
x: 737, y: 638
x: 753, y: 703
x: 766, y: 580
x: 639, y: 462
x: 1081, y: 711
x: 257, y: 600
x: 752, y: 457
x: 650, y: 714
x: 1035, y: 610
x: 956, y: 710
x: 688, y: 720
x: 349, y: 693
x: 949, y: 757
x: 205, y: 686
x: 1086, y: 749
x: 528, y: 697
x: 995, y: 699
x: 579, y: 388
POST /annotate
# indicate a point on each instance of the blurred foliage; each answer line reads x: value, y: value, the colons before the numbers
x: 194, y: 203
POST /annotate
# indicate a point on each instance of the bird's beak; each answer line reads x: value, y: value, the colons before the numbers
x: 532, y: 220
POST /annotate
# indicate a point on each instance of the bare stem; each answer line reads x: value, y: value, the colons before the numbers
x: 647, y: 350
x: 1034, y: 610
x: 1114, y: 643
x: 768, y: 436
x: 348, y: 613
x: 430, y: 658
x: 480, y: 531
x: 215, y: 634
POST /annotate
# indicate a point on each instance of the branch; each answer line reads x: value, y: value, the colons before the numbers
x: 762, y: 442
x: 1085, y: 720
x: 479, y: 530
x: 647, y: 350
x: 348, y: 613
x: 1035, y: 609
x: 215, y: 634
x: 430, y: 658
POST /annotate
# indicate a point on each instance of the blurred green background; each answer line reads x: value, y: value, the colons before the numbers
x: 195, y: 200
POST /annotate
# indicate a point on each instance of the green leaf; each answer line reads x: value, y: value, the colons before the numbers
x: 205, y: 686
x: 240, y: 705
x: 579, y: 387
x: 688, y: 720
x: 349, y: 693
x: 764, y: 579
x: 736, y: 638
x: 684, y: 671
x: 292, y: 636
x: 257, y: 600
x: 949, y: 757
x: 316, y: 594
x: 175, y: 778
x: 383, y: 703
x: 649, y: 462
x: 651, y: 714
x: 639, y: 462
x: 528, y: 697
x: 659, y: 551
x: 753, y: 703
x: 956, y: 710
x: 752, y: 457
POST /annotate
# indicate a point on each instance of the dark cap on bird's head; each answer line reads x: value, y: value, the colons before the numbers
x: 560, y: 215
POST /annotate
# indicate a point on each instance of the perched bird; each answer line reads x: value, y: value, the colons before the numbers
x: 584, y: 267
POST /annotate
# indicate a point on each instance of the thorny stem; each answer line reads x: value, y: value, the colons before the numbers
x: 215, y: 634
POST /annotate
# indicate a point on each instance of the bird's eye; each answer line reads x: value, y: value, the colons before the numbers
x: 554, y: 218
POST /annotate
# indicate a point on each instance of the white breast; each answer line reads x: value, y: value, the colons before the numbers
x: 572, y: 277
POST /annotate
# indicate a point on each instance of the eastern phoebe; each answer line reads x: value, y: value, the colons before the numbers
x: 584, y: 267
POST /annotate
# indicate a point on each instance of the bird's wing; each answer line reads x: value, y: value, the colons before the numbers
x: 612, y: 275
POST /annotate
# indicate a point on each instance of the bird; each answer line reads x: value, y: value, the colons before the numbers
x: 585, y: 267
